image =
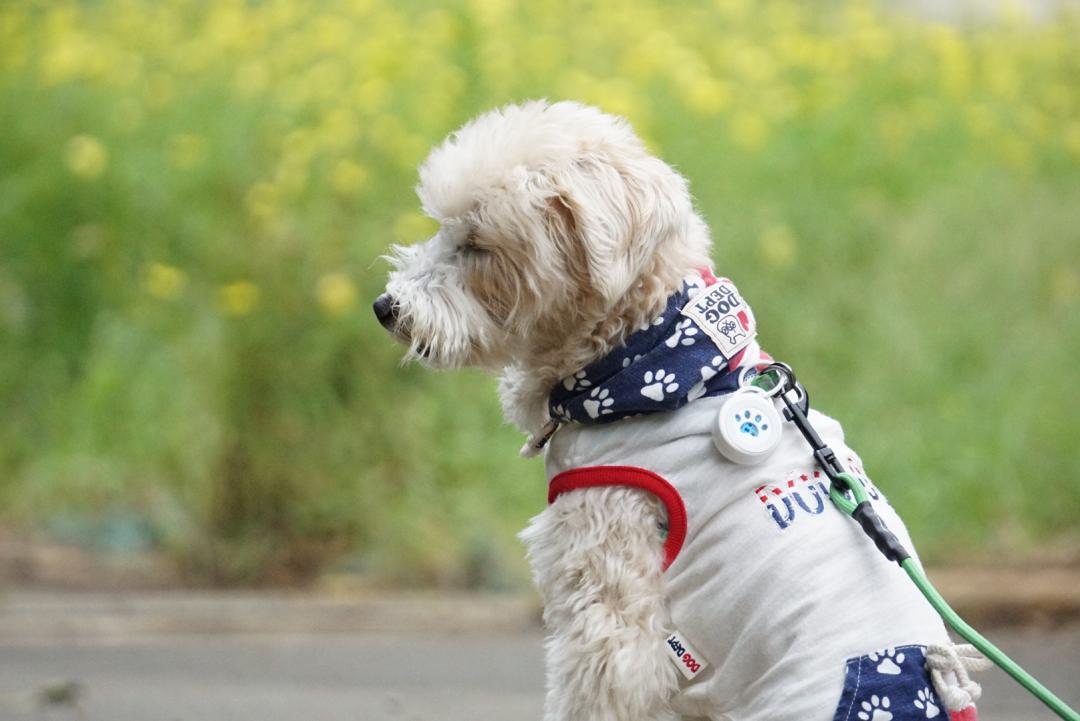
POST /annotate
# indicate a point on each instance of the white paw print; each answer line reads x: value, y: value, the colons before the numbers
x: 693, y: 282
x: 925, y: 701
x: 576, y: 382
x: 683, y: 335
x: 658, y: 384
x: 888, y: 665
x: 658, y: 320
x: 628, y: 360
x: 875, y: 709
x: 599, y: 403
x: 707, y: 372
x: 559, y: 413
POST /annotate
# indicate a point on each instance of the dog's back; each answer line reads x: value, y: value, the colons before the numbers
x: 773, y: 586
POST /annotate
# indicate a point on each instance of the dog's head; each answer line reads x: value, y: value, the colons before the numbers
x: 551, y: 217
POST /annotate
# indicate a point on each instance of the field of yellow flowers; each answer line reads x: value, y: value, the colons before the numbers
x: 194, y: 196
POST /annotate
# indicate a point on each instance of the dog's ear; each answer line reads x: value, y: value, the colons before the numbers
x: 620, y: 212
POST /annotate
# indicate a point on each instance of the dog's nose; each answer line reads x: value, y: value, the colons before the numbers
x: 385, y: 310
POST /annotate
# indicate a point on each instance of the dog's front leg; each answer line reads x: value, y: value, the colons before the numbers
x: 596, y: 555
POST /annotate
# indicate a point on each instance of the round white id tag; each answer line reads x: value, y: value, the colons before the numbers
x: 748, y: 427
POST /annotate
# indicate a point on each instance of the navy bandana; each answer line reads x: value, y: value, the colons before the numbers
x: 693, y: 349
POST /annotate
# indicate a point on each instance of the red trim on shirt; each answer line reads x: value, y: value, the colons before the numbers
x: 592, y: 476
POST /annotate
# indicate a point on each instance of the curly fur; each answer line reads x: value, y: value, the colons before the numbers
x: 559, y: 234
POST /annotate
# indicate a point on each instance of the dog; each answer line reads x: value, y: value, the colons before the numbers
x: 676, y: 583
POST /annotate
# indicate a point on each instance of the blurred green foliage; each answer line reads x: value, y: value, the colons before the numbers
x: 193, y: 198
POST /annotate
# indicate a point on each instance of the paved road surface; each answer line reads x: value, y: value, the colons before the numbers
x: 369, y: 677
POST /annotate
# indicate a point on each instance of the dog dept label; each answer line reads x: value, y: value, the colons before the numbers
x: 685, y: 657
x: 725, y: 317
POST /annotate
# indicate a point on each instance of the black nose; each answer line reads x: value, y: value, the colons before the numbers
x: 385, y: 310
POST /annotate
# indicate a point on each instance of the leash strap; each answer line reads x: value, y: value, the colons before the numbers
x: 843, y: 485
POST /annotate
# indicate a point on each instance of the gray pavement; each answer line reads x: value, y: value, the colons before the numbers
x: 399, y: 676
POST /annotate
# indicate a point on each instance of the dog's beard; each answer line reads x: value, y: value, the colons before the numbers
x: 438, y: 319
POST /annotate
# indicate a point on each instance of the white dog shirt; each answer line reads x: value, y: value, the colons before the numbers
x: 783, y: 608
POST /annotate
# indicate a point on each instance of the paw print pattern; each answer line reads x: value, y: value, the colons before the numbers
x: 693, y: 283
x: 599, y: 403
x: 576, y: 382
x: 890, y: 661
x: 684, y: 334
x: 925, y: 702
x: 628, y: 360
x: 658, y: 384
x: 658, y: 320
x: 560, y: 414
x: 876, y: 709
x: 707, y: 373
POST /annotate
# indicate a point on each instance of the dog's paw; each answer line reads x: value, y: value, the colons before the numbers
x: 658, y: 384
x: 925, y: 702
x: 576, y: 382
x: 889, y: 661
x: 683, y: 335
x: 876, y: 709
x: 599, y: 403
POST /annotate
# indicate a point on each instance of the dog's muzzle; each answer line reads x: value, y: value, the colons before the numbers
x: 386, y: 310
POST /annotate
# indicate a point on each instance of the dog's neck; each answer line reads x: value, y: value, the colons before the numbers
x: 525, y: 385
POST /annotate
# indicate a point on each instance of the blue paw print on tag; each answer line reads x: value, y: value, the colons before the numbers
x: 751, y: 423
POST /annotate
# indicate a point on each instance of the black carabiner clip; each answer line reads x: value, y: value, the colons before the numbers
x: 796, y: 411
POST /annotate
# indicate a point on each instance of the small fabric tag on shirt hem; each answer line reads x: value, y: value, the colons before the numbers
x: 685, y: 657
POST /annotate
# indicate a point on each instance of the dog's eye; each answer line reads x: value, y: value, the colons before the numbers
x: 470, y: 247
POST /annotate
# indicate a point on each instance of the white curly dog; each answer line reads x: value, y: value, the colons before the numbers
x: 676, y: 583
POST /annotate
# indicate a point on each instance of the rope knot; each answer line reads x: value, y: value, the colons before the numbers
x: 949, y: 665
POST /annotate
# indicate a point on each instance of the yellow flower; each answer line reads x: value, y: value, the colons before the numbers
x: 777, y: 246
x: 335, y: 293
x: 238, y: 298
x: 86, y: 157
x: 251, y: 78
x: 371, y: 94
x: 348, y: 178
x: 186, y: 150
x: 895, y: 128
x: 290, y: 176
x: 298, y: 146
x: 1015, y: 152
x: 982, y: 121
x: 338, y: 129
x: 262, y: 201
x: 163, y: 281
x: 707, y: 96
x: 749, y: 130
x: 65, y: 60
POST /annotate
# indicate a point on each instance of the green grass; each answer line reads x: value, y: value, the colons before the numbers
x: 193, y: 202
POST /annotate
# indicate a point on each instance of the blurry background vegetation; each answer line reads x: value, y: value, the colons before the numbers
x: 194, y: 196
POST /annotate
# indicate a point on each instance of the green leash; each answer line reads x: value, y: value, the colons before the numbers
x: 780, y: 376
